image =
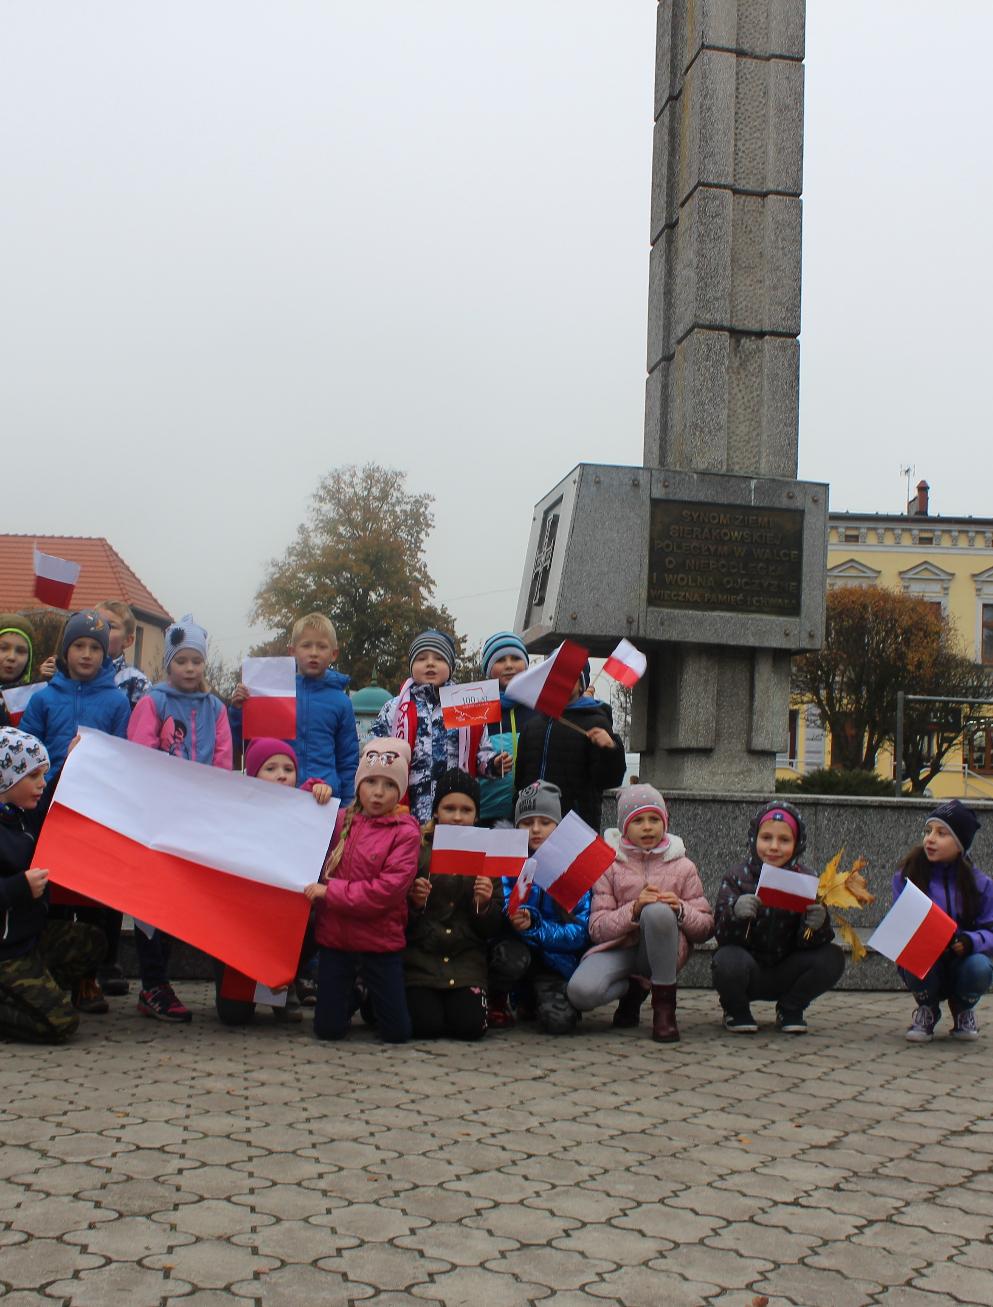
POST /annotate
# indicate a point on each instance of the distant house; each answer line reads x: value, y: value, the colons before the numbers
x: 103, y: 575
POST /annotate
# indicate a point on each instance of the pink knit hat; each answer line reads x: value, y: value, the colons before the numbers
x: 640, y: 798
x: 265, y: 747
x: 387, y: 758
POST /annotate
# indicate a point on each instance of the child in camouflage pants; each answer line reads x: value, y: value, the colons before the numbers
x: 39, y: 959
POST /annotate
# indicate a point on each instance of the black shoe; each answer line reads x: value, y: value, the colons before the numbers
x: 740, y: 1023
x: 790, y: 1021
x: 112, y: 981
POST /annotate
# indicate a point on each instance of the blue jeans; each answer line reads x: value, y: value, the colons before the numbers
x: 383, y: 975
x: 963, y: 981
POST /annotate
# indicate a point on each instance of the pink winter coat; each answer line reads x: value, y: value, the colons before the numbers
x: 365, y: 908
x: 615, y: 894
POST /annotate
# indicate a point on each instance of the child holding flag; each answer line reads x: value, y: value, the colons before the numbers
x: 16, y: 656
x: 451, y: 918
x: 504, y: 655
x: 940, y: 866
x: 583, y: 758
x: 771, y: 953
x: 362, y: 898
x: 178, y: 716
x: 538, y: 960
x: 648, y: 910
x: 415, y: 715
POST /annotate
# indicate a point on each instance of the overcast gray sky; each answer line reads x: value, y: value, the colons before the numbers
x: 242, y: 243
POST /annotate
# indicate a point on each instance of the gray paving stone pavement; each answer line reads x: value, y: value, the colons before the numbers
x: 149, y: 1165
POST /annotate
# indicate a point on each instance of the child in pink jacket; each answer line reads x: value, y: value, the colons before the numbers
x: 362, y: 898
x: 648, y: 909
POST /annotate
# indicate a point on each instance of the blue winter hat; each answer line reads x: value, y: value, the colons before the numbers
x: 86, y: 625
x: 185, y: 634
x: 501, y: 644
x: 960, y: 820
x: 434, y: 642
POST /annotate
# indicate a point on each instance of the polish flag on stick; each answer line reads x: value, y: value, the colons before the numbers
x: 549, y: 686
x: 271, y: 708
x: 17, y: 699
x: 243, y: 989
x: 522, y: 888
x: 458, y: 851
x: 626, y: 664
x: 506, y: 853
x: 208, y: 855
x: 474, y: 704
x: 914, y: 933
x: 54, y: 579
x: 790, y: 890
x: 571, y: 861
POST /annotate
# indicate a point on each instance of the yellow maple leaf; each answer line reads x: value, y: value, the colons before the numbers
x: 838, y: 888
x: 852, y: 938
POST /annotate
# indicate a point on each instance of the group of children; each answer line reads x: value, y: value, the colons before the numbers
x: 419, y: 954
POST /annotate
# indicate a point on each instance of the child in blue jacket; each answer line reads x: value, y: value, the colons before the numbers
x: 548, y: 942
x: 81, y: 693
x: 327, y: 739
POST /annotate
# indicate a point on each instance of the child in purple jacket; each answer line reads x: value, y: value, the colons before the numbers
x: 942, y: 868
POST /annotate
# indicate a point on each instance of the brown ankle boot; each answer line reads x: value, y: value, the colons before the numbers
x: 664, y: 1028
x: 629, y: 1007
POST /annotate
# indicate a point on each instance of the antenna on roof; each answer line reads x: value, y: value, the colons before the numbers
x: 907, y: 472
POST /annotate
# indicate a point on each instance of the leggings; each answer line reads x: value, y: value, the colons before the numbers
x: 603, y: 977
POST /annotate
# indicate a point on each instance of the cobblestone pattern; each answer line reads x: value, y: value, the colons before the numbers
x: 148, y: 1165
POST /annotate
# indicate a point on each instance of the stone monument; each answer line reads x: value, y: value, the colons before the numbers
x: 712, y: 556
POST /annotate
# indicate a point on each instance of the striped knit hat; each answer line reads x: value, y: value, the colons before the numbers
x: 500, y: 644
x: 436, y: 642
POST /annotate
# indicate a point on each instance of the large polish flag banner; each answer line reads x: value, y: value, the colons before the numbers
x: 458, y: 851
x: 914, y: 933
x: 17, y: 698
x: 626, y: 664
x: 791, y: 890
x: 271, y: 708
x: 476, y: 703
x: 216, y: 858
x: 243, y: 989
x: 54, y: 579
x: 549, y: 686
x: 570, y: 862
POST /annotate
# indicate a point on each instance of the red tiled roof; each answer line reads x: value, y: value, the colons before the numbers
x: 104, y: 574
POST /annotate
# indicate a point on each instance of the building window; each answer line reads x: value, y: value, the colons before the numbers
x: 980, y: 754
x: 851, y: 537
x: 926, y: 538
x: 986, y: 643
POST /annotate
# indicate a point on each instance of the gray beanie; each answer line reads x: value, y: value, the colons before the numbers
x: 541, y: 799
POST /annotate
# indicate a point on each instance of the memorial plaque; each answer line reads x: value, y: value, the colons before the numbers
x: 723, y: 557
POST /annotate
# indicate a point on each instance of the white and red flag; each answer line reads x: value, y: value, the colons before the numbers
x: 242, y: 988
x: 216, y: 858
x: 17, y: 698
x: 458, y: 851
x: 570, y: 861
x: 914, y: 933
x: 476, y: 703
x: 54, y: 579
x: 522, y: 888
x: 271, y: 708
x: 549, y: 686
x: 506, y: 853
x: 626, y: 664
x: 779, y: 887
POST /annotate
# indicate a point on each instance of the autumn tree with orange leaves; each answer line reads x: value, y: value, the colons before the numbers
x: 879, y: 642
x: 358, y: 558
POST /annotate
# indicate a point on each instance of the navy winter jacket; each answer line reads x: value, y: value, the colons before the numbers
x: 22, y: 916
x: 56, y: 713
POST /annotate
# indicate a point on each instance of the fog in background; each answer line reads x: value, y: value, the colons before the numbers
x: 244, y: 243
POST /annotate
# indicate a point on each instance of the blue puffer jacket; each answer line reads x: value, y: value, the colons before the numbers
x: 327, y: 743
x: 56, y: 713
x: 559, y: 938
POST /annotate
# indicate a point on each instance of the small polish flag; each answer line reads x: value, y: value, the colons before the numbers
x: 549, y: 686
x: 474, y: 704
x: 522, y: 887
x: 458, y: 851
x: 243, y: 989
x: 54, y: 579
x: 17, y: 699
x: 790, y: 890
x: 271, y: 708
x: 506, y: 853
x: 626, y: 664
x: 205, y: 854
x: 914, y: 933
x: 571, y: 861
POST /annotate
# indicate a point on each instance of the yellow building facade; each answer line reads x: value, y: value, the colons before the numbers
x: 947, y: 561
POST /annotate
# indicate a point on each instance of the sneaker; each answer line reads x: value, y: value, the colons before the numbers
x: 790, y: 1022
x: 112, y: 981
x: 162, y: 1004
x: 88, y: 997
x: 499, y: 1013
x: 921, y: 1029
x: 966, y: 1026
x: 740, y: 1023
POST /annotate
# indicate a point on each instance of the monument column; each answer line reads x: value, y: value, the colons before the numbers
x: 723, y: 355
